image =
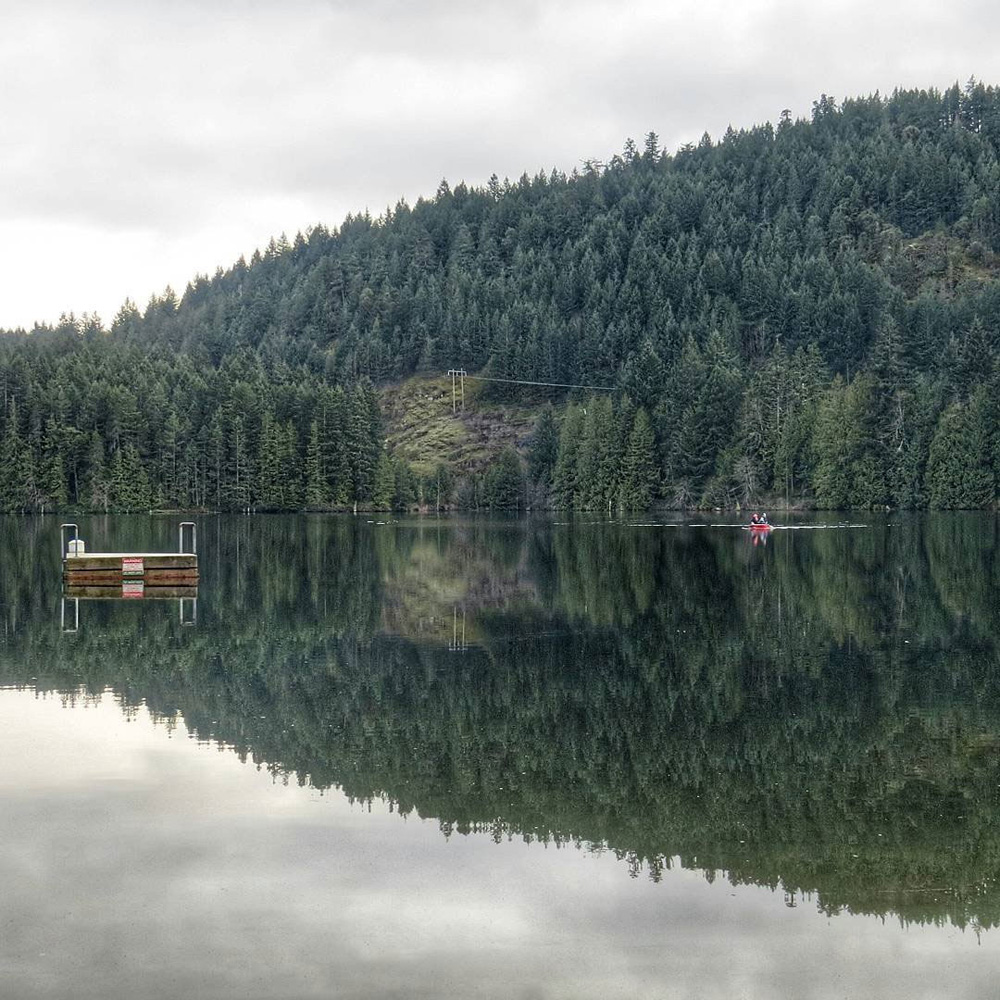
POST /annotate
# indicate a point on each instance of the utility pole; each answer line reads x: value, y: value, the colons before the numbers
x: 460, y: 374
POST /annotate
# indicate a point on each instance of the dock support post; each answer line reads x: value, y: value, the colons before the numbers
x: 64, y: 541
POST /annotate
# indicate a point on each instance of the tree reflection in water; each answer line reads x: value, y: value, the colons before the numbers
x: 821, y: 715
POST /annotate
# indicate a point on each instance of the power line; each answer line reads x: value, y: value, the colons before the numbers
x: 459, y: 375
x: 554, y: 385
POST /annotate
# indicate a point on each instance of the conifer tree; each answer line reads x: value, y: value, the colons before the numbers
x: 333, y: 428
x: 269, y: 486
x: 638, y: 480
x: 239, y: 489
x: 169, y: 455
x: 441, y: 487
x: 949, y: 461
x: 543, y: 450
x: 97, y: 484
x: 316, y: 491
x: 976, y: 361
x: 832, y: 446
x: 503, y: 488
x: 54, y: 489
x: 405, y: 486
x: 384, y: 486
x: 565, y: 478
x: 215, y: 460
x: 290, y: 492
x: 11, y: 448
x: 595, y: 464
x: 128, y: 485
x: 865, y: 438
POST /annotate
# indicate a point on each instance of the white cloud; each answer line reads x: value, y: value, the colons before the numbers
x: 146, y: 141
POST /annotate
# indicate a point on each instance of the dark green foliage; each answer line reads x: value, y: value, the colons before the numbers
x: 503, y: 485
x: 384, y: 488
x: 777, y: 422
x: 721, y: 288
x: 543, y: 450
x: 565, y: 476
x: 962, y: 469
x: 638, y: 479
x: 606, y: 457
x: 104, y: 425
x: 127, y: 482
x: 406, y: 488
x: 833, y: 442
x: 317, y: 486
x: 598, y: 459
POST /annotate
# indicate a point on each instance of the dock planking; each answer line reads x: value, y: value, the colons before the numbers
x: 109, y: 578
x: 155, y: 560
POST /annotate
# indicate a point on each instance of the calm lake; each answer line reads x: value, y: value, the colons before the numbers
x: 505, y: 758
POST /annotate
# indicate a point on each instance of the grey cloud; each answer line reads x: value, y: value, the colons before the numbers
x: 167, y: 117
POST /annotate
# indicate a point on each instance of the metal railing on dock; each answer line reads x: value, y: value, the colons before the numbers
x: 194, y: 536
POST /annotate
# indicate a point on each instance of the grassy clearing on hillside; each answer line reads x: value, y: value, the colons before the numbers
x: 423, y: 430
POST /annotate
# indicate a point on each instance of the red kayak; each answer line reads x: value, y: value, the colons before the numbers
x: 759, y: 527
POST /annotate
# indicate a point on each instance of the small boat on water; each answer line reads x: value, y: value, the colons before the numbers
x: 760, y: 531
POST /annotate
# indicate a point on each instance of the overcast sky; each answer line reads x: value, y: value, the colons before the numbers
x: 145, y: 142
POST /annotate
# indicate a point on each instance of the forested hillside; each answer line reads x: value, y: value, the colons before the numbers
x: 804, y: 311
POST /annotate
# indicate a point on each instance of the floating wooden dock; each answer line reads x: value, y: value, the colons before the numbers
x: 130, y: 573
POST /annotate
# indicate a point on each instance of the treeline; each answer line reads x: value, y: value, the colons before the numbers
x: 102, y: 426
x: 858, y: 246
x: 108, y: 426
x: 890, y: 436
x: 604, y: 457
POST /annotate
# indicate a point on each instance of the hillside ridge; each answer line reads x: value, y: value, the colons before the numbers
x: 804, y: 310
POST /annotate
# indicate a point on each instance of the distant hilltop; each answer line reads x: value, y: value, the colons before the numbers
x: 802, y: 311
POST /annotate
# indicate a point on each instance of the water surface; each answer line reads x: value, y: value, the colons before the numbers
x: 505, y: 758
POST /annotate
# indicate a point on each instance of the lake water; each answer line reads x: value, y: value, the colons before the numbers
x: 505, y: 758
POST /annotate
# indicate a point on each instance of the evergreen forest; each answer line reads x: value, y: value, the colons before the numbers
x: 803, y: 312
